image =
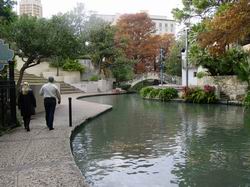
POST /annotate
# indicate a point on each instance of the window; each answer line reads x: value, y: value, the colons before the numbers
x: 195, y: 74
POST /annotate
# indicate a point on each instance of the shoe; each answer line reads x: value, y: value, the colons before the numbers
x: 51, y: 128
x: 28, y: 129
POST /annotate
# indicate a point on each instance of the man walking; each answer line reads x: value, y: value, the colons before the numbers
x: 50, y: 93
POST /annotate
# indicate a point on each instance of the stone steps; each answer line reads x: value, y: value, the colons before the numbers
x: 35, y: 80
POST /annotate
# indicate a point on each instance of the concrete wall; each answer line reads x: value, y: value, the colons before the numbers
x: 39, y: 99
x: 44, y: 70
x: 230, y: 85
x: 192, y: 79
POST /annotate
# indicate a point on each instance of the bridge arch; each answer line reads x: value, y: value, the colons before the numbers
x: 155, y: 76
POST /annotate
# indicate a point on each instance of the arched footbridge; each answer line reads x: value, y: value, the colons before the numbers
x: 167, y: 79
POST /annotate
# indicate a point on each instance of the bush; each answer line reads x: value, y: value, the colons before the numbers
x: 199, y: 95
x: 154, y: 93
x: 247, y: 99
x: 72, y: 65
x: 168, y: 94
x: 201, y: 74
x: 94, y: 78
x: 145, y: 91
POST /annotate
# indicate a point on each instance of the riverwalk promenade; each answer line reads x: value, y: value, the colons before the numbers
x: 42, y: 157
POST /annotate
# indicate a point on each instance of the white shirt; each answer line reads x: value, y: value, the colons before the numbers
x: 50, y: 90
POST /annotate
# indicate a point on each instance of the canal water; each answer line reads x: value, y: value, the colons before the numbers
x: 143, y: 143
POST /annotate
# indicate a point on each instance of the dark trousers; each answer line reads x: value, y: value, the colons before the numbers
x: 26, y: 121
x: 50, y: 105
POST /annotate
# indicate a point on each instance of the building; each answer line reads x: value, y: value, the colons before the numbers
x: 163, y: 25
x: 31, y: 8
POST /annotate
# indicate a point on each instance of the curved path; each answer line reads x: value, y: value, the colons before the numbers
x: 42, y: 157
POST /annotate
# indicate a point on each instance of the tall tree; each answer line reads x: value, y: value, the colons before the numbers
x: 102, y: 47
x: 134, y: 36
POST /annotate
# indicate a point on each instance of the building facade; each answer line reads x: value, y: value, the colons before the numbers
x: 31, y: 8
x: 163, y: 25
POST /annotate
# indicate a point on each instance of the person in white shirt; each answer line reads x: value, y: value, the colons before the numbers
x: 50, y: 93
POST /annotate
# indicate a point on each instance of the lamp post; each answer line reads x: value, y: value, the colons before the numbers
x: 186, y: 54
x: 161, y: 64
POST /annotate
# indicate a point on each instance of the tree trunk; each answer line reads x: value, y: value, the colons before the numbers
x: 20, y: 78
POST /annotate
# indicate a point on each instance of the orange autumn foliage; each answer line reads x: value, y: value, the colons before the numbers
x: 227, y: 28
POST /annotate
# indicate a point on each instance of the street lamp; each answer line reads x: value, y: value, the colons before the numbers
x: 161, y: 64
x: 186, y: 52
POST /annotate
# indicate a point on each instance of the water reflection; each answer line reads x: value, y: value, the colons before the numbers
x: 149, y: 143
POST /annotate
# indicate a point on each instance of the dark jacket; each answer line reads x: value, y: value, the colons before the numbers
x: 27, y: 103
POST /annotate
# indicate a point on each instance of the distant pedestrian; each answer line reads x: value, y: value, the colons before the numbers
x: 50, y: 93
x: 26, y: 104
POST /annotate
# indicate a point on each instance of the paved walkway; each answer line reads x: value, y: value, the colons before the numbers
x: 42, y: 157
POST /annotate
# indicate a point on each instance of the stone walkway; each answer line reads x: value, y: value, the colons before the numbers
x: 42, y: 157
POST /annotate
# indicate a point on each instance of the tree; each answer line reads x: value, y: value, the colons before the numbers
x: 173, y: 58
x: 6, y: 13
x: 102, y: 47
x: 227, y: 27
x: 37, y: 39
x: 200, y: 9
x: 134, y: 36
x: 122, y: 69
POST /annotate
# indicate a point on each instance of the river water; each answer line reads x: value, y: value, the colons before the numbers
x: 143, y: 143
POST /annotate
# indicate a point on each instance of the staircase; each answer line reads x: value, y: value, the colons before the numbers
x: 33, y: 80
x: 224, y: 96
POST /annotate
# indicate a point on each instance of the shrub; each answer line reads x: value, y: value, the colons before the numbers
x: 168, y: 94
x: 94, y: 78
x: 199, y: 95
x: 247, y: 99
x: 72, y: 65
x: 201, y: 74
x: 145, y: 91
x: 154, y: 93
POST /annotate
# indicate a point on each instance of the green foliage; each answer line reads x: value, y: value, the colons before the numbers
x: 201, y: 74
x: 247, y: 99
x: 243, y: 70
x: 102, y: 47
x: 7, y: 14
x: 199, y: 95
x: 154, y: 93
x: 94, y: 78
x: 168, y: 94
x: 173, y: 61
x: 144, y: 92
x: 72, y: 65
x: 122, y: 69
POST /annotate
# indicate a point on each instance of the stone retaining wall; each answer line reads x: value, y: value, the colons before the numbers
x: 230, y: 85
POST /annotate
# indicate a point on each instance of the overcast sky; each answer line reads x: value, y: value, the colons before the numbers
x: 155, y: 7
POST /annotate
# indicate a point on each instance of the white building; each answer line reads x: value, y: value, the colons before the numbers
x: 31, y: 8
x: 192, y: 72
x: 163, y: 25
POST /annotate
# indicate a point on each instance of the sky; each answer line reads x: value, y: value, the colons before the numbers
x: 154, y: 7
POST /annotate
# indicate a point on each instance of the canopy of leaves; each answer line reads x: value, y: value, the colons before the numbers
x: 173, y: 58
x: 6, y: 13
x: 200, y: 9
x: 102, y: 47
x: 134, y: 36
x: 122, y: 69
x: 228, y: 27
